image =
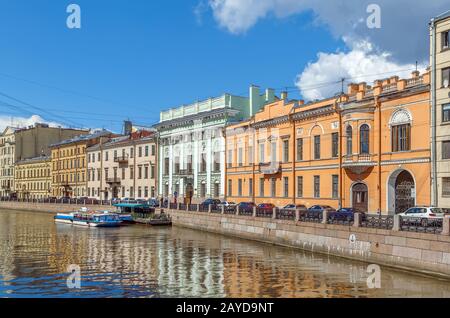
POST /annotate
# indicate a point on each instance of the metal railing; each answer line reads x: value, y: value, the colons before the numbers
x: 248, y: 211
x: 192, y: 207
x: 378, y: 221
x: 422, y: 225
x: 334, y: 218
x: 311, y: 216
x: 264, y: 213
x: 285, y: 214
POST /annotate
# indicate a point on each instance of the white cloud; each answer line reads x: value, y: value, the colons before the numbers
x: 20, y: 122
x: 397, y: 45
x: 361, y: 64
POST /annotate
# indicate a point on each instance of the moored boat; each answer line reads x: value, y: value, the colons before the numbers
x: 132, y: 212
x: 97, y: 219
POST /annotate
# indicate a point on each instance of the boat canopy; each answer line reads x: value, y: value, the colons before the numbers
x: 132, y: 205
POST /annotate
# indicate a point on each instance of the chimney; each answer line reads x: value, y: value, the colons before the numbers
x: 362, y: 86
x: 284, y: 95
x: 415, y: 74
x: 254, y: 99
x: 352, y: 89
x: 127, y: 127
x: 270, y: 95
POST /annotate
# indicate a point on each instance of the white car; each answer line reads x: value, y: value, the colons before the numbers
x: 424, y: 212
x: 227, y: 205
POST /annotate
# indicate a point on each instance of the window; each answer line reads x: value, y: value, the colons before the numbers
x: 250, y: 155
x: 285, y: 151
x: 140, y: 151
x: 139, y: 172
x: 131, y: 173
x: 446, y: 150
x: 335, y: 186
x: 299, y: 149
x: 261, y: 187
x: 153, y: 150
x: 445, y: 77
x: 262, y: 153
x: 216, y: 161
x: 240, y: 157
x: 273, y: 187
x: 316, y: 147
x: 131, y: 152
x: 446, y: 187
x: 349, y: 133
x: 146, y: 172
x: 445, y: 39
x: 146, y: 151
x: 316, y: 186
x: 335, y: 145
x: 230, y: 158
x: 216, y: 190
x: 401, y: 138
x: 166, y: 166
x: 230, y: 187
x: 203, y: 190
x: 273, y: 152
x: 446, y: 112
x: 203, y: 163
x: 286, y: 187
x: 239, y: 187
x: 300, y: 187
x: 250, y: 187
x: 364, y: 139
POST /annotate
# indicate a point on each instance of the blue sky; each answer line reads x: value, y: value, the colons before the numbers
x: 139, y: 57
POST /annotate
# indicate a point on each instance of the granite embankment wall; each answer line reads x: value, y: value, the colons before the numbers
x: 420, y: 252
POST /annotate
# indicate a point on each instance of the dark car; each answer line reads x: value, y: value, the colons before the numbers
x: 321, y: 208
x: 153, y: 203
x: 246, y: 206
x: 343, y: 214
x: 211, y: 202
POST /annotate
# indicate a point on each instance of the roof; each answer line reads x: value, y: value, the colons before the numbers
x: 442, y: 16
x: 79, y: 138
x: 33, y: 160
x: 124, y: 140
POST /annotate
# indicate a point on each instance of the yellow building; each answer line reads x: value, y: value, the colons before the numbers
x: 33, y: 178
x: 368, y: 149
x: 69, y: 164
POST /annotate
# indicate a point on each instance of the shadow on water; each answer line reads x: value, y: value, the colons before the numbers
x: 139, y: 261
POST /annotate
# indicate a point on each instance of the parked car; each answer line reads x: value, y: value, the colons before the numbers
x: 300, y: 207
x: 424, y: 212
x: 266, y: 207
x: 228, y: 206
x: 153, y: 203
x: 211, y: 202
x: 343, y: 214
x: 321, y: 208
x: 125, y: 200
x: 246, y: 206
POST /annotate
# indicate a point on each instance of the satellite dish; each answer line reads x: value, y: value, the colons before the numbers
x: 446, y: 83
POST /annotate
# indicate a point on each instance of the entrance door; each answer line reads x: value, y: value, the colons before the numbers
x: 115, y: 193
x: 360, y: 197
x: 404, y: 192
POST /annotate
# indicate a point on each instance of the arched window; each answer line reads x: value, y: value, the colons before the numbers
x: 349, y: 133
x: 401, y: 130
x: 364, y: 139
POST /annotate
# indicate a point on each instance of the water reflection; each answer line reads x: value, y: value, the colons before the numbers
x: 140, y: 261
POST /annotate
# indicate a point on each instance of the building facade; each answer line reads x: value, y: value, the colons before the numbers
x: 368, y: 149
x: 27, y: 143
x: 7, y: 141
x: 33, y: 178
x: 69, y: 164
x: 191, y: 152
x: 124, y: 167
x: 440, y: 122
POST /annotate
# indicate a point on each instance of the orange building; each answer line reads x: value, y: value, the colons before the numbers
x: 368, y: 149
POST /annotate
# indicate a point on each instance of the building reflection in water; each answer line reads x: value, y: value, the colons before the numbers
x: 162, y: 262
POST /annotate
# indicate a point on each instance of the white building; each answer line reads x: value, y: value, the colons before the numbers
x: 192, y: 144
x: 7, y: 142
x: 124, y: 167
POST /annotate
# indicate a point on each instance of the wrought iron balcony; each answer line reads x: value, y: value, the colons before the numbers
x: 359, y: 163
x: 121, y: 159
x: 113, y: 180
x: 270, y: 168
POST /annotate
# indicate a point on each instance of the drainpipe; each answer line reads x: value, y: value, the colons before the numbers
x: 434, y: 187
x: 294, y: 154
x: 341, y: 186
x: 378, y: 105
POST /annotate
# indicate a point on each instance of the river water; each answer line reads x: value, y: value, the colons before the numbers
x: 140, y: 261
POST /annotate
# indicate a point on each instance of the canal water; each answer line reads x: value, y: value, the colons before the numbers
x: 140, y: 261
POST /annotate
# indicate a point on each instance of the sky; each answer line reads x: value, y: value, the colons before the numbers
x: 132, y: 59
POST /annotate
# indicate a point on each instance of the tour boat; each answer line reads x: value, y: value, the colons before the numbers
x: 67, y: 218
x: 131, y: 212
x: 97, y: 219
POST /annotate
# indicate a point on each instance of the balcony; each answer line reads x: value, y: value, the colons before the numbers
x: 359, y: 163
x: 270, y: 168
x: 123, y: 160
x: 114, y: 180
x: 185, y: 172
